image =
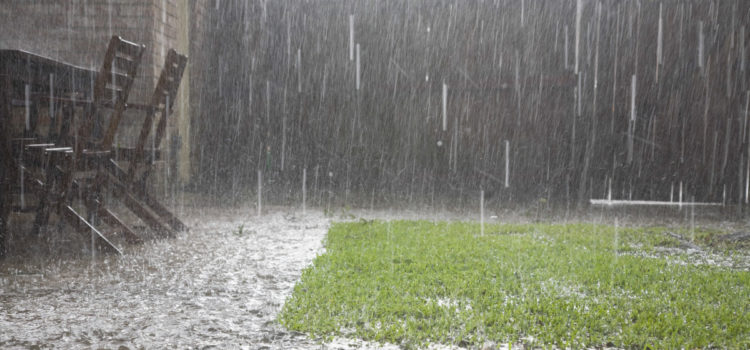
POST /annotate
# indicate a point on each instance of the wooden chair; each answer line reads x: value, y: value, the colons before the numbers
x: 66, y: 167
x: 130, y: 184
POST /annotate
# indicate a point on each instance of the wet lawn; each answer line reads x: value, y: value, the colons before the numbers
x: 413, y: 283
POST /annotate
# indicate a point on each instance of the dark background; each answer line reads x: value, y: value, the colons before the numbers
x: 508, y: 79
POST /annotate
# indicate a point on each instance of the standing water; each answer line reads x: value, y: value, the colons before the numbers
x: 214, y: 287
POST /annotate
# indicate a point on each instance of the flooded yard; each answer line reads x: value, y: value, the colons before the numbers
x: 214, y: 287
x: 220, y: 285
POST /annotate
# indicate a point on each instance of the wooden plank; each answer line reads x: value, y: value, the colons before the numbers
x: 138, y: 209
x: 83, y: 227
x: 111, y: 219
x: 114, y: 121
x: 41, y: 219
x: 171, y: 90
x: 151, y: 202
x: 169, y: 81
x: 161, y: 211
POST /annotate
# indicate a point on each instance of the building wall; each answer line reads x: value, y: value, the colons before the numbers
x: 78, y: 31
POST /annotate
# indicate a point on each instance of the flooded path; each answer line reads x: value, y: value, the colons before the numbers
x: 214, y: 287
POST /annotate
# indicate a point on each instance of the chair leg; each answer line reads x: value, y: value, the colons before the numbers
x: 81, y: 225
x: 41, y: 219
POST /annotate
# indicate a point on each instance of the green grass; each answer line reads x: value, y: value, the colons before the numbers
x: 416, y: 282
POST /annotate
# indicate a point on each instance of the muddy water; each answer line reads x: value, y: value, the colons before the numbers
x: 212, y: 287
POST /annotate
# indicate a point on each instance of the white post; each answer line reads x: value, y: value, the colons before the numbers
x: 304, y: 190
x: 481, y: 210
x: 23, y: 194
x: 260, y: 190
x: 507, y: 163
x: 692, y: 222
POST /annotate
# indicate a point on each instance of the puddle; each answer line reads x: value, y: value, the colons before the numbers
x: 211, y: 287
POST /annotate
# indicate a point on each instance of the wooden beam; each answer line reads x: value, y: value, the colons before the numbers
x: 139, y: 193
x: 82, y: 226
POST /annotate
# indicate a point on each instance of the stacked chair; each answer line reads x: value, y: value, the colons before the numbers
x: 74, y: 170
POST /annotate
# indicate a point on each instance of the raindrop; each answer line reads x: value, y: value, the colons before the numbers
x: 565, y: 57
x: 679, y: 196
x: 304, y: 190
x: 507, y: 163
x: 631, y: 123
x: 22, y: 182
x: 299, y: 70
x: 742, y: 48
x: 671, y: 192
x: 659, y: 43
x: 579, y: 11
x: 692, y: 220
x: 260, y: 191
x: 51, y: 95
x: 481, y: 211
x: 351, y: 37
x: 700, y: 44
x: 445, y: 107
x: 27, y: 105
x: 358, y: 69
x: 632, y: 98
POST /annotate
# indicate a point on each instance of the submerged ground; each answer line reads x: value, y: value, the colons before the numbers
x: 223, y: 283
x: 212, y: 287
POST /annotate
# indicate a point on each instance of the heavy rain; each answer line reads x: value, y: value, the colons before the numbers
x: 374, y: 174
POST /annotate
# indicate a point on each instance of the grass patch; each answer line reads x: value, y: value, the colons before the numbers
x: 416, y: 282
